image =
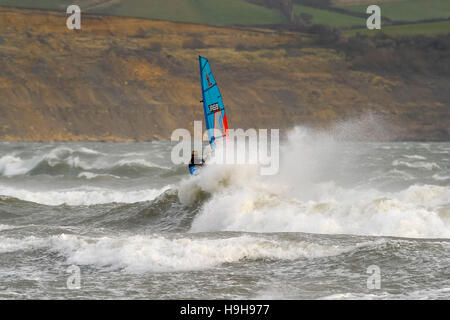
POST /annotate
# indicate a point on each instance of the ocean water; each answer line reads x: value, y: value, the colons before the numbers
x: 139, y: 227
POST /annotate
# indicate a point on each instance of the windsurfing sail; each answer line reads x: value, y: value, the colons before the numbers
x: 215, y: 115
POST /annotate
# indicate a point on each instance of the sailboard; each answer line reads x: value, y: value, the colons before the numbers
x: 194, y: 171
x: 213, y: 107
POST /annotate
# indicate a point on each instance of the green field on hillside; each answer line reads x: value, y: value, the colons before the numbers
x: 430, y: 28
x: 38, y: 4
x: 409, y: 10
x: 213, y: 12
x: 216, y: 12
x: 330, y: 18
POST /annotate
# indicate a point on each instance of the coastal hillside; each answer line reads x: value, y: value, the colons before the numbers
x: 128, y: 79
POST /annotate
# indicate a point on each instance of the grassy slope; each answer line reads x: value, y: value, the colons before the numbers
x: 42, y: 4
x: 357, y: 2
x: 39, y: 4
x: 430, y: 28
x: 330, y: 18
x: 219, y: 12
x: 409, y: 10
x: 214, y: 12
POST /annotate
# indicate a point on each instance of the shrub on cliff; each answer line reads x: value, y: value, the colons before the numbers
x: 155, y: 46
x: 193, y: 43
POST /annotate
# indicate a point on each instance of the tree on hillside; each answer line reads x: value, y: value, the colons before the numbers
x: 303, y: 19
x: 287, y: 8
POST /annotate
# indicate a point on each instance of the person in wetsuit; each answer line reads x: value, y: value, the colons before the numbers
x: 195, y: 162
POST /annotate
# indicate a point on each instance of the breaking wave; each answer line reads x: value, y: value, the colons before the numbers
x: 312, y: 194
x: 418, y: 164
x: 62, y: 160
x: 82, y: 195
x: 160, y: 254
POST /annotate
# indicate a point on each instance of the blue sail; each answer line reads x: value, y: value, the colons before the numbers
x: 215, y: 115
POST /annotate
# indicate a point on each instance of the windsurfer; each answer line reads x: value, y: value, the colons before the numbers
x: 195, y: 161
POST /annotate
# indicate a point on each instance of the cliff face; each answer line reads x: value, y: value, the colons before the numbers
x: 124, y: 79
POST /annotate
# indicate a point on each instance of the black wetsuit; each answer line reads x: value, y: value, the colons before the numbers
x: 196, y: 162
